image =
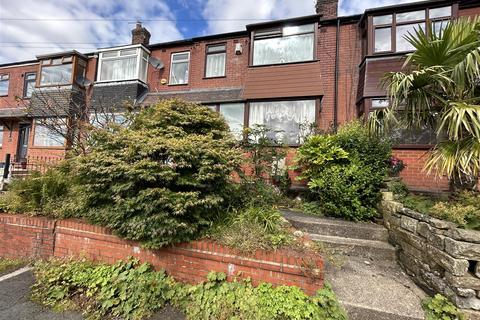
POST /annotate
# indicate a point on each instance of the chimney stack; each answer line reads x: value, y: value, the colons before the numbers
x: 327, y: 8
x: 140, y: 35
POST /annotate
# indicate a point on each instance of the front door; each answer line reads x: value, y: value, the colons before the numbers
x: 23, y: 134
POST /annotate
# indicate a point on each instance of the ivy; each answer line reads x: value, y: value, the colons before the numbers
x: 130, y: 290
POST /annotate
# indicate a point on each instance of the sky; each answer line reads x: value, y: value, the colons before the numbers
x: 32, y: 27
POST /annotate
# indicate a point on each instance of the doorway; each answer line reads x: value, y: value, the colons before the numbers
x: 23, y: 135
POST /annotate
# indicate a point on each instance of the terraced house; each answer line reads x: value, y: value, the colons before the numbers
x: 287, y: 74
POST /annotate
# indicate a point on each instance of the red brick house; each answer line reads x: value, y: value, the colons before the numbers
x: 320, y: 69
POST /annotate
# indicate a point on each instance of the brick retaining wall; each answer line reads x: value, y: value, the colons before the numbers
x: 22, y: 236
x: 440, y: 257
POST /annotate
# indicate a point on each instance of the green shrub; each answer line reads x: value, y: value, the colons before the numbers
x: 344, y: 172
x: 38, y: 194
x: 463, y: 209
x: 399, y: 189
x: 440, y: 308
x: 161, y: 180
x: 253, y: 228
x: 128, y: 290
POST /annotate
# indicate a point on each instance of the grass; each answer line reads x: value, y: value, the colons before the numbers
x: 7, y: 265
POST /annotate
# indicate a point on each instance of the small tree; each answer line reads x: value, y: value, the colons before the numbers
x: 162, y: 179
x: 439, y: 88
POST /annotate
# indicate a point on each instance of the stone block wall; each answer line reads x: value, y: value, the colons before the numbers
x: 439, y: 256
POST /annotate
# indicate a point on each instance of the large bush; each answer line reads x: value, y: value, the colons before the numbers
x: 160, y: 180
x: 345, y: 171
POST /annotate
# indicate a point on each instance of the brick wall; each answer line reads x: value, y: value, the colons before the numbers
x: 414, y: 176
x: 16, y: 84
x: 22, y: 236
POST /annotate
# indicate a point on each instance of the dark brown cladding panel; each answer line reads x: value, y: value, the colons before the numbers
x: 375, y: 70
x: 284, y: 81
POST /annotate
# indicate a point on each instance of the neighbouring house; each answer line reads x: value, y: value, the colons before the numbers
x: 286, y: 74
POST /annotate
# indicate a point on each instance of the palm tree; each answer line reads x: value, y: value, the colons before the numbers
x: 439, y: 87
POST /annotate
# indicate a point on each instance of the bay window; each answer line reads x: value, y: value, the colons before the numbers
x: 123, y: 64
x: 179, y: 66
x: 57, y: 71
x: 289, y: 121
x: 284, y: 45
x: 4, y: 84
x: 390, y: 30
x: 215, y: 60
x: 49, y: 133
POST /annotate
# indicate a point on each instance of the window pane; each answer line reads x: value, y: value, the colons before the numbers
x: 143, y: 70
x: 383, y: 39
x: 101, y: 120
x: 411, y: 16
x: 180, y: 56
x: 440, y: 12
x: 438, y: 26
x: 67, y: 59
x: 297, y: 29
x: 216, y: 48
x: 57, y: 61
x: 110, y: 54
x: 380, y: 103
x: 29, y: 84
x: 404, y: 31
x: 234, y: 115
x: 4, y: 87
x: 1, y: 136
x: 119, y: 69
x: 179, y: 73
x: 291, y: 118
x: 386, y: 19
x: 215, y: 66
x: 44, y: 137
x: 128, y: 52
x: 54, y: 75
x: 283, y: 50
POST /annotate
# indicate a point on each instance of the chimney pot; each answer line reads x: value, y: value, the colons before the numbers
x: 327, y: 8
x: 140, y: 35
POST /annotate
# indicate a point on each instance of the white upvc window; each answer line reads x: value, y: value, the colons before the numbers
x: 123, y: 64
x: 179, y: 65
x: 46, y: 136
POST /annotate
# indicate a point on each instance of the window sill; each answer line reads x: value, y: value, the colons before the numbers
x: 3, y: 95
x: 177, y: 84
x: 284, y: 64
x: 218, y: 77
x: 49, y: 147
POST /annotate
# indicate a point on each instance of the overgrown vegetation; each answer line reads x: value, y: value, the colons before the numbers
x: 7, y: 265
x: 462, y: 207
x: 344, y: 172
x: 440, y: 308
x: 129, y: 290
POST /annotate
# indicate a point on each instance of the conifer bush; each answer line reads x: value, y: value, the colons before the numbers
x: 160, y: 180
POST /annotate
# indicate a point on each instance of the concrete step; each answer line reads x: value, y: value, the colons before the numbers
x: 375, y: 291
x: 367, y: 249
x: 337, y: 227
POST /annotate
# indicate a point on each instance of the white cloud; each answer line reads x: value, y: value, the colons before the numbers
x: 273, y: 9
x: 53, y: 36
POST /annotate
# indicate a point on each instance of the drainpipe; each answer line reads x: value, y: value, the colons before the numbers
x: 335, y: 102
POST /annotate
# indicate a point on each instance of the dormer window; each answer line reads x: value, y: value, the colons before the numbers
x: 284, y: 45
x: 390, y: 30
x: 123, y: 64
x: 56, y: 71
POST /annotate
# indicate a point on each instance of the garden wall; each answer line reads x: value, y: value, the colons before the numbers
x: 22, y: 237
x: 440, y: 257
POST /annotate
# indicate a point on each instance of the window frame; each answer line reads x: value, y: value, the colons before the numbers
x: 281, y: 27
x: 393, y: 25
x: 43, y: 64
x: 35, y: 125
x: 224, y: 51
x: 7, y: 79
x: 171, y: 68
x: 2, y: 131
x: 139, y: 53
x: 26, y: 74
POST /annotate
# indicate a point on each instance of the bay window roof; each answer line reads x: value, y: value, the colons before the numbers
x: 123, y: 63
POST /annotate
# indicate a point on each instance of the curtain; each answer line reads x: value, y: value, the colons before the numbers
x: 215, y: 65
x: 234, y: 115
x: 283, y: 49
x: 288, y: 120
x: 60, y: 74
x: 44, y: 137
x: 179, y: 74
x: 119, y: 69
